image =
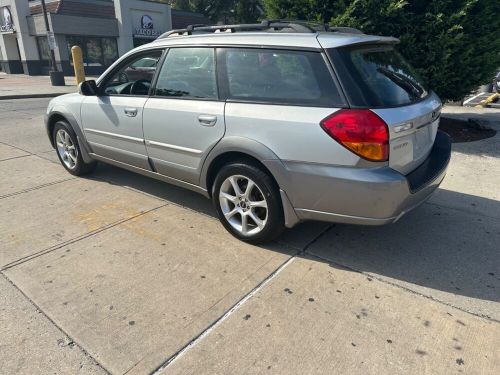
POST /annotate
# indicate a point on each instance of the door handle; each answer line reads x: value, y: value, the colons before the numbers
x: 207, y: 120
x: 130, y: 112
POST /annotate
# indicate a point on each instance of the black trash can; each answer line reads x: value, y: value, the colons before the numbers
x: 57, y: 78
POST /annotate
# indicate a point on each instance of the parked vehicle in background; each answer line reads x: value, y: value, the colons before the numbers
x: 276, y: 122
x: 496, y: 83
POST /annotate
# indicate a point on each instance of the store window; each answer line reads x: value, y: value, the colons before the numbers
x: 94, y: 52
x: 43, y: 50
x: 97, y: 52
x: 109, y: 51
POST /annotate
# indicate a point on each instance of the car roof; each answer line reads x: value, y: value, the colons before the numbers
x: 294, y: 40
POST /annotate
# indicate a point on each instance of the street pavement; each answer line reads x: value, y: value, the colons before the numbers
x: 18, y: 86
x: 117, y: 273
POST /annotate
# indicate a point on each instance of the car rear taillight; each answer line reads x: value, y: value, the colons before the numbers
x: 361, y: 131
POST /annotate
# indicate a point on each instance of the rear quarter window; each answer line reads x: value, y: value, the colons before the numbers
x: 280, y: 77
x: 376, y: 76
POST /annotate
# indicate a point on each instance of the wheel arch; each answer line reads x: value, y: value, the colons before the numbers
x: 51, y: 123
x: 238, y: 148
x: 56, y: 116
x: 234, y: 148
x: 226, y: 158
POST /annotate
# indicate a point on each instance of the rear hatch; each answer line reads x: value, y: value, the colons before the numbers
x: 376, y: 77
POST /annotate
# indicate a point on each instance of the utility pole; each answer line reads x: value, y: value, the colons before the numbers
x: 56, y: 77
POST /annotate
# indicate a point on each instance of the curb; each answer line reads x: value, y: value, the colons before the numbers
x: 33, y: 96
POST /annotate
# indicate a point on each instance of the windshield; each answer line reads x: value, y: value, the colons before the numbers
x: 377, y: 76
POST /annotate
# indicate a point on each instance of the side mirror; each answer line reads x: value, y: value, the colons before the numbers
x: 88, y: 88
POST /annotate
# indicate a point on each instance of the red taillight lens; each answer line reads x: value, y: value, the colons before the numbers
x: 361, y: 131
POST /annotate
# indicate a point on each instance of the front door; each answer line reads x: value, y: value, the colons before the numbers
x: 112, y: 121
x: 184, y: 118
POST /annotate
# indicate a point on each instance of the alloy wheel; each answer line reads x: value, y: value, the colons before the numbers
x: 66, y: 149
x: 243, y: 205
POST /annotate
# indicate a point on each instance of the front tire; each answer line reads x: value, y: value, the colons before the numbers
x: 248, y: 203
x: 68, y: 150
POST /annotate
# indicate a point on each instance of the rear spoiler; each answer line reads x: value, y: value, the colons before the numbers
x: 327, y: 40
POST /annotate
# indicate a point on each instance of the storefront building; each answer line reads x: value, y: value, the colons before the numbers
x: 104, y: 29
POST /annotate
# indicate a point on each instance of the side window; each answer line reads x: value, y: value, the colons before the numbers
x: 188, y: 73
x: 282, y: 77
x: 135, y: 77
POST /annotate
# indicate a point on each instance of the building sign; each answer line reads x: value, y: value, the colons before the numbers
x: 6, y: 22
x: 147, y: 28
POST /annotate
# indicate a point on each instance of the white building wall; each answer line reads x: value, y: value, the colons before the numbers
x: 27, y: 44
x: 129, y: 14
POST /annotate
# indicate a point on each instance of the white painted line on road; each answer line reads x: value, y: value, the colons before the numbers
x: 474, y: 97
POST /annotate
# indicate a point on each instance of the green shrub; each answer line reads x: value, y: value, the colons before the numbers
x: 453, y: 44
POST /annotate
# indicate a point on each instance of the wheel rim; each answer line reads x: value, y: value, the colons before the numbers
x: 243, y: 204
x: 66, y: 149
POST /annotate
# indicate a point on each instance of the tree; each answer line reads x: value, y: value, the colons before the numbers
x: 308, y: 10
x: 241, y: 11
x: 182, y: 5
x: 453, y: 44
x: 247, y: 11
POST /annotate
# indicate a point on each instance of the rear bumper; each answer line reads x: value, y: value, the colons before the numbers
x: 374, y: 196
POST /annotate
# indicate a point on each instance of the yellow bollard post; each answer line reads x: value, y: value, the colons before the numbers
x: 76, y: 53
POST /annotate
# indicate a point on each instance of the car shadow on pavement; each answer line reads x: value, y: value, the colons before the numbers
x: 489, y: 147
x: 444, y: 248
x: 292, y: 242
x: 447, y: 247
x: 156, y: 188
x: 484, y: 147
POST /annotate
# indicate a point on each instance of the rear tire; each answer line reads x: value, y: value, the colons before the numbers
x: 248, y: 202
x: 68, y: 150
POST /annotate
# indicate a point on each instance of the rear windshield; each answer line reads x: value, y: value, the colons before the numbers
x: 377, y: 76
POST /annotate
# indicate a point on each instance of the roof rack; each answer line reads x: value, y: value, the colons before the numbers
x: 289, y: 26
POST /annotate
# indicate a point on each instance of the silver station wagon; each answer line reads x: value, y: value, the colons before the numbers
x: 277, y: 123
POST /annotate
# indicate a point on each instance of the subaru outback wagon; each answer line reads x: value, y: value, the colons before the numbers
x: 277, y: 123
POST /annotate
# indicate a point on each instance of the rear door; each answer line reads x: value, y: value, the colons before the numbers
x: 377, y: 77
x: 278, y: 98
x: 184, y: 118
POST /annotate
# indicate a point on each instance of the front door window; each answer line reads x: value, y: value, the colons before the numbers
x: 135, y: 77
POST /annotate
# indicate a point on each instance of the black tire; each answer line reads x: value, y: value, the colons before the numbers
x: 80, y: 168
x: 267, y: 187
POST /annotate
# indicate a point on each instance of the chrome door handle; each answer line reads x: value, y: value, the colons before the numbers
x: 207, y: 120
x: 130, y: 112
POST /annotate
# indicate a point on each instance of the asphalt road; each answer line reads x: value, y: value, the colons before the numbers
x: 116, y: 273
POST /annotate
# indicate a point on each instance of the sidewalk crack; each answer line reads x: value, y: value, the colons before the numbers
x: 195, y: 340
x: 38, y: 308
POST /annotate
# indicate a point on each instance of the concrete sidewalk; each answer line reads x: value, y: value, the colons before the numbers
x: 19, y: 86
x: 115, y: 273
x: 487, y: 116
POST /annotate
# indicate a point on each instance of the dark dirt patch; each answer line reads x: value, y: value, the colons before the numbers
x: 462, y: 131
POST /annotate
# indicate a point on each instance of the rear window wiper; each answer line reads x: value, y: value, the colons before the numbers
x: 403, y: 82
